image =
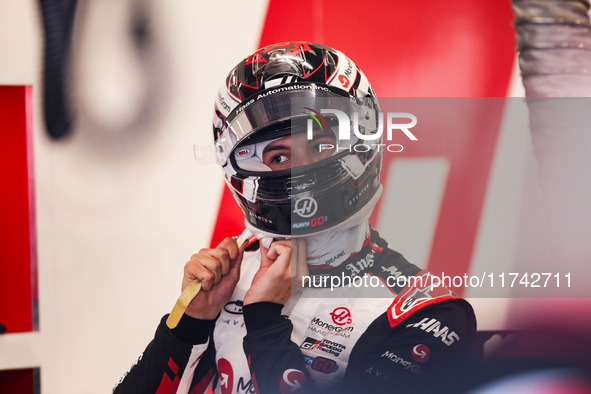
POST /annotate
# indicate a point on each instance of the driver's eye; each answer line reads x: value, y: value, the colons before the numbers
x: 278, y: 159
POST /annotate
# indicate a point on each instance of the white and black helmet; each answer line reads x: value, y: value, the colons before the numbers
x: 299, y: 88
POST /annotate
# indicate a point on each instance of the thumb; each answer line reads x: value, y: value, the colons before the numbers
x: 265, y: 260
x: 280, y: 252
x: 277, y: 250
x: 231, y: 246
x: 236, y: 263
x: 235, y: 253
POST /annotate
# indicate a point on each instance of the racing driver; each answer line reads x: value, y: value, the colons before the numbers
x: 265, y: 320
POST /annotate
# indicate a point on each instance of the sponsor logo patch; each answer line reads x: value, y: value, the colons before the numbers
x: 322, y: 364
x: 341, y: 316
x: 325, y: 329
x: 435, y: 328
x: 247, y: 387
x: 421, y: 353
x: 407, y: 365
x: 323, y: 345
x: 242, y: 152
x: 292, y: 380
x: 234, y: 307
x: 357, y: 268
x: 226, y: 376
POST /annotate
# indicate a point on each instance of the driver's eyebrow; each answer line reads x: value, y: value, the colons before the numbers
x: 275, y: 148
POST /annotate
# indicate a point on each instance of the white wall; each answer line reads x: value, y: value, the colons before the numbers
x: 120, y: 208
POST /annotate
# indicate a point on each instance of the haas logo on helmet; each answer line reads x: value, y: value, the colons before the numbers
x: 305, y: 207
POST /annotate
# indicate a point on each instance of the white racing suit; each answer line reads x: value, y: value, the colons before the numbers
x: 410, y: 339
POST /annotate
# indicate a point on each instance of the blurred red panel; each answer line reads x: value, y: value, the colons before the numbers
x: 19, y: 381
x: 454, y: 48
x: 18, y: 267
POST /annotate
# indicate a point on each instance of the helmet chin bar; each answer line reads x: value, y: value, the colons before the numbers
x: 359, y: 217
x: 287, y: 112
x: 310, y: 200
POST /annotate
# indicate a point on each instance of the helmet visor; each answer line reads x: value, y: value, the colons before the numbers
x: 290, y: 129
